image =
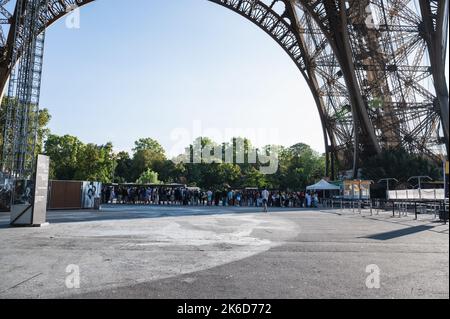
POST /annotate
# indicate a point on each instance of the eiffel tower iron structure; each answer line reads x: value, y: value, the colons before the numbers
x: 374, y: 68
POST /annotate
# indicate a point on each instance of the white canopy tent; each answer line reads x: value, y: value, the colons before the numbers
x: 323, y: 185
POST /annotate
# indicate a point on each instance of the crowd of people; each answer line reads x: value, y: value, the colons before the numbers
x: 186, y: 196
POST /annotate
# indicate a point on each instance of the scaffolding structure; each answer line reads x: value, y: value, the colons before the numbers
x: 20, y: 132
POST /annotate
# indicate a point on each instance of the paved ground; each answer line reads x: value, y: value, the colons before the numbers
x: 163, y: 252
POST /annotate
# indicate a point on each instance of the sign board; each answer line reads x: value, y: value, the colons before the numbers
x: 29, y: 206
x: 91, y: 191
x: 364, y: 188
x: 348, y: 189
x: 41, y: 190
x: 356, y: 190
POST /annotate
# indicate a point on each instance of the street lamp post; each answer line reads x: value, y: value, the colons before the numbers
x: 420, y: 178
x: 387, y: 180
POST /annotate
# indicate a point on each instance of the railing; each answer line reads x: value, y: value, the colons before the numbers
x: 400, y: 208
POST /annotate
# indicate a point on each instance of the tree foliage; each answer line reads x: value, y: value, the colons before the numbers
x: 73, y: 160
x: 298, y: 165
x: 64, y: 152
x: 44, y: 118
x: 124, y: 168
x: 96, y: 163
x: 148, y: 177
x: 399, y: 164
x: 148, y: 154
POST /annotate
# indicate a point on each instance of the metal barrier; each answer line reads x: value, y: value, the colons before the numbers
x: 400, y: 208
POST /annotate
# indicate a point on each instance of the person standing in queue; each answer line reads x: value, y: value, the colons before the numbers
x: 265, y: 198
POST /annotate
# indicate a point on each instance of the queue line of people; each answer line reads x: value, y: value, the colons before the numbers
x: 181, y: 196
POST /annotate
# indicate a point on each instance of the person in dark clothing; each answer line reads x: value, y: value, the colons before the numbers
x: 107, y: 195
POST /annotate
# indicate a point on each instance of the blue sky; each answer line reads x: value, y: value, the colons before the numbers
x: 127, y: 74
x: 152, y: 67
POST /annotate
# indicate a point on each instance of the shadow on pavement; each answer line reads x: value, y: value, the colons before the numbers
x: 400, y: 233
x: 111, y: 213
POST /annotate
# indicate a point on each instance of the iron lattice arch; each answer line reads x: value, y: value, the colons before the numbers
x: 373, y: 67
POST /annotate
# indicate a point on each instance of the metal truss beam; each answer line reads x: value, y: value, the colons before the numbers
x: 376, y: 86
x: 395, y: 71
x: 280, y: 23
x: 404, y: 97
x: 434, y: 30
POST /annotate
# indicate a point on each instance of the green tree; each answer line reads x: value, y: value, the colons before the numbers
x: 43, y: 131
x: 44, y: 119
x: 252, y: 177
x: 148, y: 177
x: 73, y: 160
x: 169, y: 172
x: 96, y: 163
x: 399, y: 164
x: 299, y: 166
x: 306, y: 166
x: 148, y: 144
x: 64, y: 152
x: 216, y: 175
x: 148, y: 153
x: 124, y: 168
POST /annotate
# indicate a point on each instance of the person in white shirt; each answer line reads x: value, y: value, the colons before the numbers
x: 265, y: 198
x: 316, y: 200
x: 308, y: 200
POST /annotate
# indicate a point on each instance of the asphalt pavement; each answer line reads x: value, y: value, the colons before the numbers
x: 215, y: 252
